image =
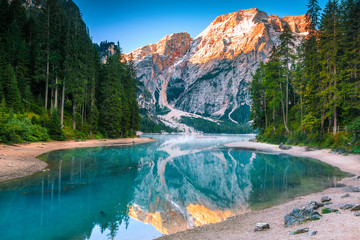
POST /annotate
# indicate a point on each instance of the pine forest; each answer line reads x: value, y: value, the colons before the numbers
x: 311, y: 94
x: 52, y: 83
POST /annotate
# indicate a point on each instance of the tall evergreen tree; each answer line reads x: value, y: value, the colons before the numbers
x: 287, y: 55
x: 111, y: 102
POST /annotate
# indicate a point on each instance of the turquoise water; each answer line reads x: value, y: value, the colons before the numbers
x: 144, y: 191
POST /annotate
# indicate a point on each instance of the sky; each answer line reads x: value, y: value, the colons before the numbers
x: 136, y: 23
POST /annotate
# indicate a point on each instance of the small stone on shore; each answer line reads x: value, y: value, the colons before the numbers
x: 357, y: 214
x: 301, y: 230
x: 310, y: 149
x: 346, y: 206
x: 352, y: 189
x: 325, y: 199
x: 315, y: 205
x: 261, y: 226
x: 345, y: 195
x: 284, y: 147
x: 313, y: 233
x: 356, y: 207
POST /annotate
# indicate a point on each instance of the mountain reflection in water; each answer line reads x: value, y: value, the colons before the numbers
x: 174, y: 184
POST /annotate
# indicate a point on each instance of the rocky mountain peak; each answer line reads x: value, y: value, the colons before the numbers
x: 173, y: 45
x: 209, y: 75
x: 241, y: 32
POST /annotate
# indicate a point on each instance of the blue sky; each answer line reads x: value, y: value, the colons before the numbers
x: 135, y: 23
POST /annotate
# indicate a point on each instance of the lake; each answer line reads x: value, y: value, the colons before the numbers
x: 145, y: 191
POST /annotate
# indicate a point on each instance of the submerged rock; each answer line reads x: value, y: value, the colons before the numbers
x: 356, y: 207
x: 346, y: 206
x: 298, y: 216
x: 284, y: 147
x: 261, y: 226
x: 301, y: 230
x: 325, y: 199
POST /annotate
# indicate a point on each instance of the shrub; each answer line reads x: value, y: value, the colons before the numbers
x: 22, y: 130
x: 54, y: 127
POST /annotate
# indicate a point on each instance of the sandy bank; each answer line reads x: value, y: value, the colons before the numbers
x: 341, y: 225
x: 350, y: 163
x: 19, y: 160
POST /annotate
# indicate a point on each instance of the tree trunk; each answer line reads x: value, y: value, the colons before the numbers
x: 47, y: 84
x: 323, y: 118
x: 283, y: 110
x: 274, y: 128
x: 56, y: 93
x: 284, y: 113
x: 62, y: 105
x: 74, y: 116
x: 47, y: 60
x: 82, y: 114
x: 287, y: 98
x: 265, y: 114
x: 301, y: 113
x: 335, y: 113
x: 52, y: 99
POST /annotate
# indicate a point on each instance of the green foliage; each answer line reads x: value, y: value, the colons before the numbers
x: 20, y: 129
x: 54, y: 127
x: 328, y: 210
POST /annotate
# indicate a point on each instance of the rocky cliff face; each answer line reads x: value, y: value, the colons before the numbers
x: 209, y: 75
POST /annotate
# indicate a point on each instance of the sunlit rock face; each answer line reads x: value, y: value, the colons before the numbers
x: 209, y: 75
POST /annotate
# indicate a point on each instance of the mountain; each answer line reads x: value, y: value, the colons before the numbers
x: 208, y: 76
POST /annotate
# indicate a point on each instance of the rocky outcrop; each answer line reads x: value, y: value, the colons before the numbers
x: 209, y: 75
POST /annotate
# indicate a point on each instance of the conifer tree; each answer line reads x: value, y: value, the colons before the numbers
x: 287, y: 55
x: 111, y: 104
x: 329, y: 47
x: 258, y: 97
x: 13, y: 98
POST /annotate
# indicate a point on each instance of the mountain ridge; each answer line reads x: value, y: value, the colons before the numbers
x: 209, y: 75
